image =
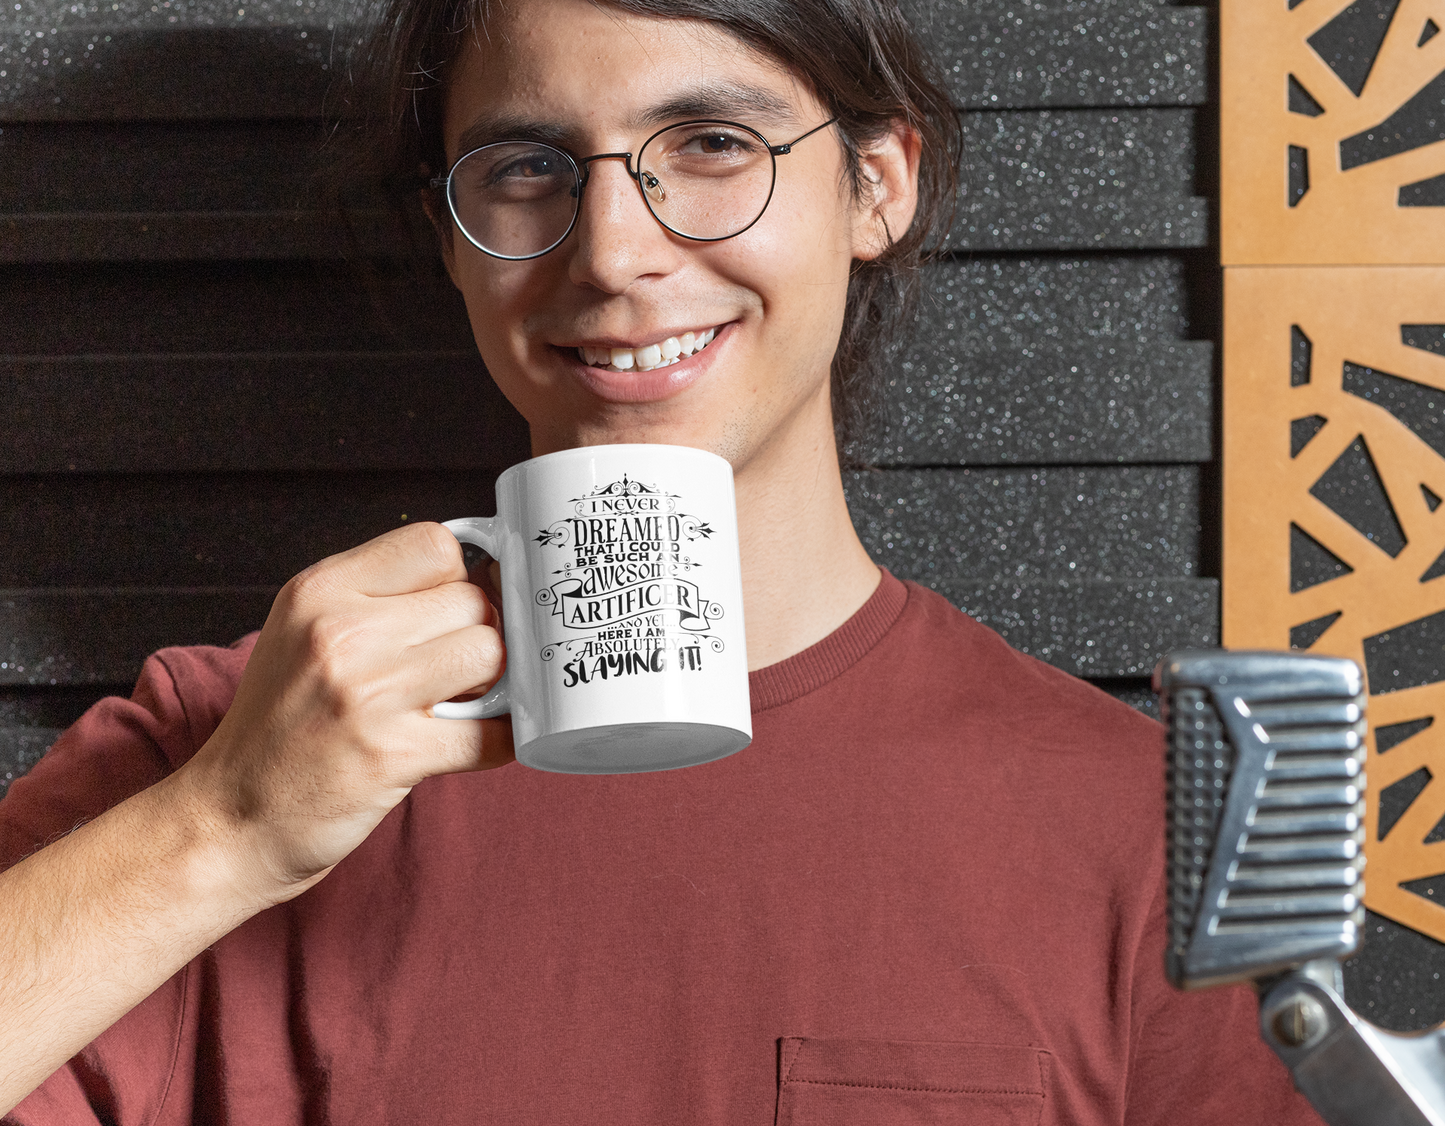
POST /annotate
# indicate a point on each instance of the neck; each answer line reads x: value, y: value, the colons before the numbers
x: 805, y: 572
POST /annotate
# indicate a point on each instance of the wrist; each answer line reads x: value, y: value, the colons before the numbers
x: 219, y: 857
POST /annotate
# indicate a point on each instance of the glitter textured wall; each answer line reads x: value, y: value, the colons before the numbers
x: 206, y: 399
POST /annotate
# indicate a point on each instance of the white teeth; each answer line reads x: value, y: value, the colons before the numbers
x: 649, y: 356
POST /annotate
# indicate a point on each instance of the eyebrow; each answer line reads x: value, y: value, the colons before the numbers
x: 719, y: 99
x: 711, y: 101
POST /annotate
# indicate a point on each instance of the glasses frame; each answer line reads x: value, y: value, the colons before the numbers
x: 582, y: 173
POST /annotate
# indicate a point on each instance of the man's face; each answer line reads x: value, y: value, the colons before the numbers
x: 603, y: 81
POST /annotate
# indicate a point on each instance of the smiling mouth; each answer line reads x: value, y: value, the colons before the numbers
x: 660, y: 355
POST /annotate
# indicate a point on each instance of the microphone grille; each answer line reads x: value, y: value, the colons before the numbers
x: 1264, y: 773
x: 1198, y: 766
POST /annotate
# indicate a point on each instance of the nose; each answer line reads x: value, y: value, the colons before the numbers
x: 616, y: 240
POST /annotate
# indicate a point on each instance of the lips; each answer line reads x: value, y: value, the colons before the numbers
x: 647, y: 357
x: 642, y: 382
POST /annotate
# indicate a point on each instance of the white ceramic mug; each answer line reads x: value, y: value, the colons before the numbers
x: 623, y: 610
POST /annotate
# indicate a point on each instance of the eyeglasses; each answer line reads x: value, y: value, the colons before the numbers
x: 703, y: 180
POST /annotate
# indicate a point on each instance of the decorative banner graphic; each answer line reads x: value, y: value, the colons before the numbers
x: 620, y: 607
x: 1334, y: 537
x: 673, y: 600
x: 1332, y: 114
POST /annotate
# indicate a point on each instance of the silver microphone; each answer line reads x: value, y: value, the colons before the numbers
x: 1265, y: 756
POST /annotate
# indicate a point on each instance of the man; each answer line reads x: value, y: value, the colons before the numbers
x: 929, y: 891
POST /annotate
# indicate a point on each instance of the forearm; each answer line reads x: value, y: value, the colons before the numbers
x: 97, y: 921
x: 329, y: 729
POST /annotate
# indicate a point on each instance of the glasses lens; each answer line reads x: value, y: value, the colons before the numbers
x: 514, y: 199
x: 706, y: 180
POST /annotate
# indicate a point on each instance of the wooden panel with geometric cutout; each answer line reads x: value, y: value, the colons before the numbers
x: 1331, y: 116
x: 1334, y: 527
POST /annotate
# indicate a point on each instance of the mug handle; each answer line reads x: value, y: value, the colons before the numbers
x: 482, y: 532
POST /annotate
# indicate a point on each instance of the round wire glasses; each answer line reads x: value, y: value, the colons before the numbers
x: 703, y: 180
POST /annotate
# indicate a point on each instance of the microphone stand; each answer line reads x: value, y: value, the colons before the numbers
x: 1354, y: 1073
x: 1265, y: 771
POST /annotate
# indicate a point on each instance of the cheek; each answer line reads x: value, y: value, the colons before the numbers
x: 498, y: 296
x: 810, y: 239
x: 823, y: 205
x: 802, y: 257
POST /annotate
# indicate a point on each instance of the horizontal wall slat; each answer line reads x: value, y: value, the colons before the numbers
x: 1070, y: 179
x: 102, y: 636
x: 233, y: 166
x: 1118, y: 52
x: 1013, y: 360
x: 1109, y: 52
x: 978, y: 305
x: 1021, y: 523
x: 1099, y: 628
x: 1018, y: 303
x: 164, y: 168
x: 210, y: 530
x: 111, y: 72
x: 259, y: 412
x: 972, y: 525
x: 1095, y: 403
x: 188, y: 236
x: 107, y: 309
x: 1056, y: 179
x: 180, y: 191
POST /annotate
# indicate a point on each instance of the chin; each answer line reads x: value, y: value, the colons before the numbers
x: 649, y: 433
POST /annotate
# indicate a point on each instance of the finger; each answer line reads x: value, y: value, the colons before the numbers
x: 425, y: 615
x: 419, y: 746
x: 405, y: 560
x: 454, y: 746
x: 466, y: 660
x: 481, y: 744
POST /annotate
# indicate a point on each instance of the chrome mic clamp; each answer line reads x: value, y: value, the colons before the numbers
x: 1265, y: 781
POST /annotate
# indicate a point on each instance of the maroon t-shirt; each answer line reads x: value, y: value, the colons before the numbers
x: 930, y: 891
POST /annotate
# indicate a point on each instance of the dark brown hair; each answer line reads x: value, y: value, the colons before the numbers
x: 859, y: 56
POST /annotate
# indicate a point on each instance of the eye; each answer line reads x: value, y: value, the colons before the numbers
x: 532, y: 166
x: 718, y: 143
x: 512, y: 172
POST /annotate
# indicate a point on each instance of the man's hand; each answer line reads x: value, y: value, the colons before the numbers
x: 330, y: 729
x: 331, y: 725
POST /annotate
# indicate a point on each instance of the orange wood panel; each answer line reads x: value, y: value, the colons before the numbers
x: 1349, y: 314
x: 1347, y: 216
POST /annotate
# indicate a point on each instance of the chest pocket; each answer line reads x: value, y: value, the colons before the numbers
x: 909, y: 1083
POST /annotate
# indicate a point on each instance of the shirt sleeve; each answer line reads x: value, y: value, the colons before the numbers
x: 1197, y: 1058
x: 141, y: 1070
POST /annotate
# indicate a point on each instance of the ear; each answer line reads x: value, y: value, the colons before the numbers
x: 433, y: 203
x: 889, y: 191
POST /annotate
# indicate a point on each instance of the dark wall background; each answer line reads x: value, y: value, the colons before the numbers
x: 204, y: 397
x: 210, y: 380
